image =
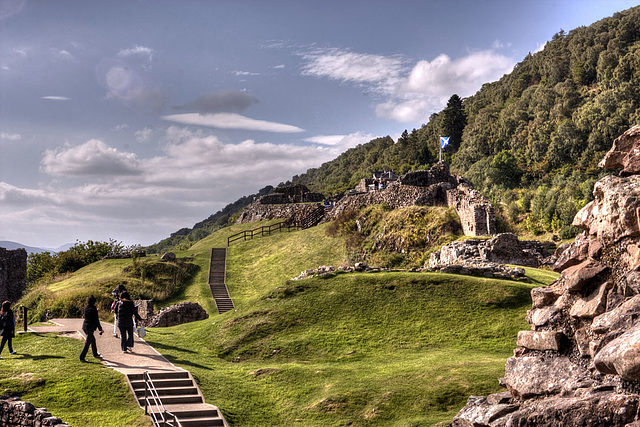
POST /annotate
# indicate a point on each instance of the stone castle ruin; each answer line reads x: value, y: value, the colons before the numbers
x: 433, y: 187
x: 13, y: 274
x: 579, y: 364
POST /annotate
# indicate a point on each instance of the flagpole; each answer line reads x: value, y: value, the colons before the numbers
x: 440, y: 145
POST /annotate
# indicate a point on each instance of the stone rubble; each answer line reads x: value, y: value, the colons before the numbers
x: 16, y: 413
x: 579, y: 365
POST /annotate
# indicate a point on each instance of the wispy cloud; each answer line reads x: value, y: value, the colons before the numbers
x: 10, y: 136
x: 144, y: 135
x: 410, y: 93
x: 245, y: 73
x: 56, y: 98
x: 136, y: 50
x: 231, y: 121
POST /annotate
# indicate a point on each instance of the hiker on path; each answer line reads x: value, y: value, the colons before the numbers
x: 89, y: 326
x: 116, y: 298
x: 126, y: 312
x: 7, y: 326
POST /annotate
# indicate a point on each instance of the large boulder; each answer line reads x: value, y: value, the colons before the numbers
x: 178, y: 314
x: 625, y: 153
x: 615, y: 211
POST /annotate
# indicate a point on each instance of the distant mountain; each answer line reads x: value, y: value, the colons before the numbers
x: 30, y: 249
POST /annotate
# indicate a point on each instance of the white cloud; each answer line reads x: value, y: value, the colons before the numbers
x: 195, y: 175
x: 410, y: 94
x: 144, y: 135
x: 93, y: 158
x: 326, y: 139
x: 10, y: 136
x: 136, y: 50
x: 120, y: 127
x: 56, y: 98
x: 231, y: 121
x: 381, y: 72
x: 245, y: 73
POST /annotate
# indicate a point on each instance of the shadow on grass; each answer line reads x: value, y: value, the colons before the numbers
x: 38, y: 356
x: 183, y: 362
x: 169, y: 347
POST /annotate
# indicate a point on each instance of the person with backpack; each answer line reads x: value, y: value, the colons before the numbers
x: 126, y: 312
x: 7, y: 326
x: 89, y: 326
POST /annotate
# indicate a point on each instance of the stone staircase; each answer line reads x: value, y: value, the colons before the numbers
x: 217, y: 272
x: 180, y: 396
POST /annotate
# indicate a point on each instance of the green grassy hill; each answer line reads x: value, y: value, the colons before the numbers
x: 361, y: 349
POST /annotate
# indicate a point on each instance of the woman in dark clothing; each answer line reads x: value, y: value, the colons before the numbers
x: 89, y: 326
x: 126, y: 311
x: 7, y: 326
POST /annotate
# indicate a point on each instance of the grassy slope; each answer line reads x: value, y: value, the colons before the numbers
x: 397, y: 349
x: 46, y: 372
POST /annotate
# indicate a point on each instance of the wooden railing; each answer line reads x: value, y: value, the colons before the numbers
x: 154, y: 407
x: 262, y: 231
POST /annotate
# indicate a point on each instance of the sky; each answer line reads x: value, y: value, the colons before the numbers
x: 131, y: 119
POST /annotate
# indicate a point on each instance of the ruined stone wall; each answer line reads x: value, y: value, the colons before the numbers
x: 476, y: 213
x: 13, y: 274
x: 433, y: 187
x: 260, y: 212
x: 16, y: 413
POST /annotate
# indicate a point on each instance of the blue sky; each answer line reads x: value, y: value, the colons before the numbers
x: 129, y: 120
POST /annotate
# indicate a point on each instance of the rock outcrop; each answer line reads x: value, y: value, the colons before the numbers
x: 178, y: 314
x: 579, y: 365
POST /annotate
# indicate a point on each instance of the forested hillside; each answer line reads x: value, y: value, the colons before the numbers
x: 530, y: 141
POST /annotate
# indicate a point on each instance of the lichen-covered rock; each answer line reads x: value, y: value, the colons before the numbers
x: 530, y: 376
x: 544, y: 340
x: 621, y: 356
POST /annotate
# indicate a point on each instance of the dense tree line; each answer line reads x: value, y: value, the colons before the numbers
x: 536, y: 134
x: 47, y: 265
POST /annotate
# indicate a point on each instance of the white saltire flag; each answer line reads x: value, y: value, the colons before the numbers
x: 444, y: 141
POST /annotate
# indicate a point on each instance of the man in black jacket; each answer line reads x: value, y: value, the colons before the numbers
x: 89, y: 326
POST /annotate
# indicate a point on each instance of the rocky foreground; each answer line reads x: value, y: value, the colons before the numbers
x: 579, y: 365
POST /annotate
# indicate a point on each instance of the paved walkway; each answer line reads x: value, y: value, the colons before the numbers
x: 143, y: 358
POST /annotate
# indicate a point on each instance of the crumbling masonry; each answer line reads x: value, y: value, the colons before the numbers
x: 13, y: 274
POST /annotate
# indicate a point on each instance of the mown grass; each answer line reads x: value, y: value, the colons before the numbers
x: 355, y: 349
x: 46, y: 372
x: 383, y: 349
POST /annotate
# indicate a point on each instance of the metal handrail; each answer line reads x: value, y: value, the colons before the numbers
x: 265, y: 229
x: 160, y: 416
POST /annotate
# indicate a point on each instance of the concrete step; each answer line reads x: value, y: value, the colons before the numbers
x: 169, y: 391
x: 160, y: 375
x: 176, y: 399
x: 165, y: 383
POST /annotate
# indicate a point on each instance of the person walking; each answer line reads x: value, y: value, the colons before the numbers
x: 7, y: 326
x: 89, y: 326
x: 116, y: 298
x: 126, y: 312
